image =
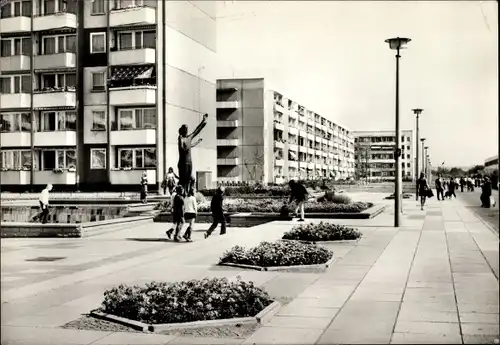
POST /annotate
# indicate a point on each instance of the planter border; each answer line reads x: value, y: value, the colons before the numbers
x: 325, y: 242
x: 263, y: 316
x: 296, y: 268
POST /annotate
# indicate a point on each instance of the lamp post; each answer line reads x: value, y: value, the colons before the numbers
x: 417, y: 112
x: 426, y: 160
x: 397, y: 44
x: 423, y: 154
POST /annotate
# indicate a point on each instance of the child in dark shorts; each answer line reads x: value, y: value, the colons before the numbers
x: 177, y: 213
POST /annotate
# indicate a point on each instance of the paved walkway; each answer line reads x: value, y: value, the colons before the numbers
x: 433, y: 280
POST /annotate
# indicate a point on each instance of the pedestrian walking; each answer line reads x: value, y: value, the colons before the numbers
x: 177, y: 213
x: 144, y: 188
x: 299, y: 194
x: 169, y: 182
x: 462, y: 184
x: 43, y: 200
x: 439, y: 187
x: 216, y: 207
x: 190, y: 211
x: 451, y: 188
x: 486, y: 193
x: 423, y: 190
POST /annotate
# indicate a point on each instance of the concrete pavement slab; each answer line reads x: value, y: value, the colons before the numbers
x: 49, y: 336
x: 279, y: 335
x: 124, y: 338
x: 423, y: 327
x: 481, y: 329
x: 415, y: 338
x: 300, y: 322
x: 204, y: 341
x: 480, y: 318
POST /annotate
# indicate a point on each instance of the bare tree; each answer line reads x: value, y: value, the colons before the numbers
x: 255, y: 166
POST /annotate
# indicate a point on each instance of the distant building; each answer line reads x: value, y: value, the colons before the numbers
x: 491, y: 164
x: 264, y: 136
x: 374, y: 155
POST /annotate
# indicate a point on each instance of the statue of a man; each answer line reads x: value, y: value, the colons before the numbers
x: 184, y: 143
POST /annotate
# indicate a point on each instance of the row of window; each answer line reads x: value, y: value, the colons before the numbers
x: 22, y: 83
x: 137, y: 118
x: 50, y: 159
x: 380, y: 139
x: 24, y: 8
x: 53, y: 44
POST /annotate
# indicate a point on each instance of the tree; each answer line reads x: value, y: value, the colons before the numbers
x: 477, y: 169
x: 255, y: 166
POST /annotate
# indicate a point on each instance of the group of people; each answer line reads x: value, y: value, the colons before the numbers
x: 446, y: 188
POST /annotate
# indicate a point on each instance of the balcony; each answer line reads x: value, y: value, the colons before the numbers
x: 133, y: 137
x: 15, y: 139
x: 293, y: 114
x: 55, y: 138
x: 293, y: 131
x: 56, y: 178
x: 279, y: 107
x: 279, y: 162
x: 15, y: 100
x: 133, y: 57
x: 15, y: 177
x: 310, y: 165
x: 303, y: 149
x: 227, y: 123
x: 15, y: 24
x: 293, y: 147
x: 61, y: 20
x: 279, y: 144
x: 132, y: 95
x: 130, y: 177
x: 132, y: 16
x: 310, y: 136
x: 228, y: 142
x: 227, y: 105
x: 228, y: 161
x: 293, y: 164
x: 279, y: 126
x: 54, y: 99
x: 55, y: 61
x: 15, y: 63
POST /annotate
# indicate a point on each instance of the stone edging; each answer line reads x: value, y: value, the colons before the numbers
x: 326, y: 242
x: 262, y: 317
x: 297, y: 268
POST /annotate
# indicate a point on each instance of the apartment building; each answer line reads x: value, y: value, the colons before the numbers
x: 92, y: 93
x: 264, y: 136
x: 374, y: 155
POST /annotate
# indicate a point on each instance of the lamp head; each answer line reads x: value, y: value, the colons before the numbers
x: 422, y: 139
x: 426, y: 147
x: 417, y: 111
x: 397, y: 43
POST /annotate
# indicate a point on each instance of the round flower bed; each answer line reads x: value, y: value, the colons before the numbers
x: 322, y: 232
x: 274, y: 206
x: 275, y: 254
x: 186, y: 301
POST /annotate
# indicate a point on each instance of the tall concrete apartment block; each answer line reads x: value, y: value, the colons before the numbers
x: 374, y: 155
x: 93, y: 92
x: 264, y: 136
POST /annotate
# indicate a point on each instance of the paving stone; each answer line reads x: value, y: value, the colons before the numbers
x: 279, y: 335
x: 300, y: 322
x: 415, y: 338
x: 447, y: 328
x: 481, y: 339
x: 367, y: 295
x: 123, y: 338
x: 204, y: 341
x: 483, y: 308
x: 424, y: 315
x: 481, y: 329
x: 300, y: 309
x: 480, y: 318
x: 49, y: 336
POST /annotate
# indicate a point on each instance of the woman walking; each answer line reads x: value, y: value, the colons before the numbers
x: 423, y: 190
x: 177, y: 213
x: 190, y: 211
x: 298, y: 193
x: 144, y: 188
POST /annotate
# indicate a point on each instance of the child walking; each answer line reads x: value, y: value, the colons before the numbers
x: 177, y: 213
x: 217, y: 213
x: 190, y: 210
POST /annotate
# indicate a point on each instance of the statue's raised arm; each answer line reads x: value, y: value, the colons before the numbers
x: 199, y: 128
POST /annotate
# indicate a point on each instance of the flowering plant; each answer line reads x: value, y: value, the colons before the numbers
x: 186, y: 301
x: 322, y: 232
x: 280, y: 253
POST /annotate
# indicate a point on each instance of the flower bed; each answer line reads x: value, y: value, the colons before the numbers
x: 322, y: 232
x: 275, y: 254
x: 274, y: 206
x: 186, y: 301
x: 250, y: 190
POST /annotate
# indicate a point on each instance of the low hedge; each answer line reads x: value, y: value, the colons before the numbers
x: 274, y: 206
x: 337, y: 198
x: 186, y: 301
x: 250, y: 190
x: 322, y: 232
x: 280, y: 253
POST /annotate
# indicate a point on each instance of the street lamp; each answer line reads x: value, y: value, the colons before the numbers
x: 417, y: 112
x: 426, y: 159
x: 397, y: 44
x: 423, y: 154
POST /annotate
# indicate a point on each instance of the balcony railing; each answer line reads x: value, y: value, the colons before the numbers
x: 145, y: 136
x: 141, y: 15
x: 15, y: 100
x: 15, y: 63
x: 133, y: 95
x: 227, y: 123
x: 55, y: 98
x: 15, y: 24
x: 53, y: 61
x: 15, y: 139
x: 60, y: 20
x: 228, y: 142
x: 55, y: 138
x: 227, y: 104
x: 144, y: 56
x: 228, y: 161
x: 131, y: 177
x: 15, y: 177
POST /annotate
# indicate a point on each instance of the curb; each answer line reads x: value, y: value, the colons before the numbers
x: 325, y: 242
x: 297, y: 268
x: 262, y: 317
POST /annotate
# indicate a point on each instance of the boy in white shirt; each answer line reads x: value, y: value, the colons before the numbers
x: 44, y: 203
x: 190, y: 211
x: 172, y: 197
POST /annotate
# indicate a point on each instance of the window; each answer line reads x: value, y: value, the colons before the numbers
x: 98, y: 7
x: 15, y: 122
x: 407, y: 147
x: 136, y: 118
x: 15, y: 46
x: 59, y: 44
x: 58, y: 81
x: 98, y: 42
x: 407, y: 156
x: 98, y: 81
x: 16, y: 9
x: 16, y: 160
x: 408, y: 165
x: 98, y: 159
x: 137, y: 158
x: 120, y: 4
x: 58, y: 121
x: 15, y: 84
x: 58, y: 159
x: 98, y: 121
x: 136, y: 40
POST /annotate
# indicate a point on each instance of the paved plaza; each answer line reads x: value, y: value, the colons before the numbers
x: 433, y: 280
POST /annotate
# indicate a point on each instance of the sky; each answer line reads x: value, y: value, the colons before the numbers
x: 331, y: 57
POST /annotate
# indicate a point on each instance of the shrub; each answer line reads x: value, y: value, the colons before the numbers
x: 322, y: 232
x: 249, y: 190
x: 337, y: 198
x: 186, y: 301
x: 280, y: 253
